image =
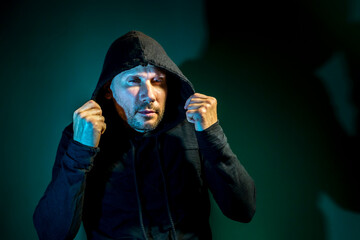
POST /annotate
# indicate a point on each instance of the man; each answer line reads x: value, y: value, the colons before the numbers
x: 139, y: 158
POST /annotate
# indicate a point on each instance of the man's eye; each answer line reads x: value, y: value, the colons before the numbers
x: 158, y: 80
x: 133, y: 80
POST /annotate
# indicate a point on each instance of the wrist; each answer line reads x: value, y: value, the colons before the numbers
x: 86, y: 141
x: 199, y: 127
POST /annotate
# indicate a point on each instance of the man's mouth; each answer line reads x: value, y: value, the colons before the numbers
x: 147, y: 112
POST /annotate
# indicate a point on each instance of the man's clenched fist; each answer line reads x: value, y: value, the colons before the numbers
x: 201, y: 110
x: 88, y: 124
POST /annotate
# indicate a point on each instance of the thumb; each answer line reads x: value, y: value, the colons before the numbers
x: 190, y: 117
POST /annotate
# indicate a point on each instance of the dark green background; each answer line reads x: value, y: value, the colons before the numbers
x: 284, y: 74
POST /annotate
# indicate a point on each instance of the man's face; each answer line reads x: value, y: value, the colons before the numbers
x: 140, y: 95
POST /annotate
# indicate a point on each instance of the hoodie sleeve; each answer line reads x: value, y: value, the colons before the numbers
x: 58, y: 213
x: 232, y: 187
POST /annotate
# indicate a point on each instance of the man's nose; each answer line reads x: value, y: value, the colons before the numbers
x: 147, y: 93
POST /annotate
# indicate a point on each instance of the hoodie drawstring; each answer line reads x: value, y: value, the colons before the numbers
x: 165, y: 191
x: 137, y: 192
x: 134, y: 157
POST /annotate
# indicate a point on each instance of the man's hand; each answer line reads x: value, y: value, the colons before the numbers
x: 88, y: 124
x: 201, y: 110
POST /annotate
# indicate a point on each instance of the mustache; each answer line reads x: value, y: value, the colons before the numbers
x: 147, y: 106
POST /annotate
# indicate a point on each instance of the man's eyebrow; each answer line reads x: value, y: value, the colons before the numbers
x: 161, y: 73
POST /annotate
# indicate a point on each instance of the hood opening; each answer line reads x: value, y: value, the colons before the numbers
x: 134, y: 49
x: 174, y: 108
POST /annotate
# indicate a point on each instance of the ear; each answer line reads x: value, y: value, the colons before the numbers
x: 108, y: 95
x: 108, y: 92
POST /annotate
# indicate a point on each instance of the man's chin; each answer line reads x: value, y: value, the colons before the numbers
x: 147, y: 126
x: 145, y: 129
x: 145, y: 123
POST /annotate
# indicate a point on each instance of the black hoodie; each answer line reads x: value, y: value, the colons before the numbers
x: 144, y: 186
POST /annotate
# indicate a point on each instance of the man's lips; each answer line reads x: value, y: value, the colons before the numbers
x: 147, y: 112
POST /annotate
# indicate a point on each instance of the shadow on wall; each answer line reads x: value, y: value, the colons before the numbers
x: 261, y: 63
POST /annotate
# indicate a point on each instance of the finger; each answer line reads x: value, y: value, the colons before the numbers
x: 199, y: 101
x: 195, y: 114
x: 103, y: 128
x: 85, y: 115
x: 198, y: 111
x: 187, y: 102
x: 189, y: 117
x: 194, y: 99
x: 88, y: 112
x: 195, y: 117
x: 95, y: 119
x: 88, y: 105
x: 200, y: 95
x: 195, y: 106
x: 97, y: 122
x: 100, y: 127
x: 207, y: 102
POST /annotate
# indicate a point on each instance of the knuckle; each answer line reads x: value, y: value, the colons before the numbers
x: 202, y: 110
x: 96, y: 125
x: 81, y: 115
x: 76, y: 112
x: 88, y: 120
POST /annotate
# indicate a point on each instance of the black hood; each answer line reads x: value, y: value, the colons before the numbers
x: 134, y: 49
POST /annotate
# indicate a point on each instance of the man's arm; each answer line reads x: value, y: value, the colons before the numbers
x: 229, y: 182
x: 232, y: 187
x: 58, y: 214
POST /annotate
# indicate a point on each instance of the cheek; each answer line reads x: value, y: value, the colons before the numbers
x: 163, y: 100
x: 121, y: 93
x: 124, y: 96
x: 161, y: 95
x: 127, y: 101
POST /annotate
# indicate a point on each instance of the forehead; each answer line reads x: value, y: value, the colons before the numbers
x: 141, y: 71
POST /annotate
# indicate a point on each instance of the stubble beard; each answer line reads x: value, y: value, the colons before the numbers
x: 140, y: 124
